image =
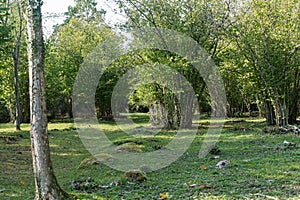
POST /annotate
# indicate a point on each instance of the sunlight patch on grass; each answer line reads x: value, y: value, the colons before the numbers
x: 60, y: 126
x: 10, y: 127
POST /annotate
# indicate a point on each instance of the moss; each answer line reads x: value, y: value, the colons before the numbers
x: 129, y: 147
x: 135, y: 175
x: 97, y: 159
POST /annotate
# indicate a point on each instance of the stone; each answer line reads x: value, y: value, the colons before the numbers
x: 135, y: 175
x: 223, y: 164
x: 97, y: 159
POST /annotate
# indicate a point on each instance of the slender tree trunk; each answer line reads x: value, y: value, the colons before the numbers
x: 11, y: 113
x: 45, y: 180
x: 16, y: 57
x: 259, y: 105
x: 280, y: 112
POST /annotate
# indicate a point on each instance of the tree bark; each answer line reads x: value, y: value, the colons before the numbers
x: 45, y: 180
x: 269, y: 112
x: 293, y: 113
x: 259, y: 105
x: 294, y: 96
x: 16, y: 57
x: 280, y: 112
x: 187, y: 112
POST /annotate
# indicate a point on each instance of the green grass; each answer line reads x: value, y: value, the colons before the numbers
x: 259, y: 169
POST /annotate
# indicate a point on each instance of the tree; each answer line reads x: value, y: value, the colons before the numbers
x: 203, y: 21
x: 267, y: 38
x: 14, y: 65
x: 85, y: 10
x: 164, y: 103
x: 66, y: 50
x: 16, y: 58
x: 5, y: 39
x: 45, y: 180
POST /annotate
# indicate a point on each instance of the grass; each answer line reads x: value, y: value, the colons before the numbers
x: 260, y: 167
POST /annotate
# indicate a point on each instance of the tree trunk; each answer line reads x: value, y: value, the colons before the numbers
x: 269, y: 112
x: 293, y: 113
x: 187, y: 112
x: 16, y: 56
x: 260, y: 105
x: 280, y: 112
x: 11, y: 113
x: 45, y: 180
x: 294, y: 97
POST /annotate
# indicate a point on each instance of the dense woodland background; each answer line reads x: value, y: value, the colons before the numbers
x: 255, y: 45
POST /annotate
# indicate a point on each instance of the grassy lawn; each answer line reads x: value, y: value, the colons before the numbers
x: 261, y: 166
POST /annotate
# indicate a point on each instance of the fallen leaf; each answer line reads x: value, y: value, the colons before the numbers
x: 164, y: 196
x: 203, y: 167
x: 187, y: 183
x: 22, y: 183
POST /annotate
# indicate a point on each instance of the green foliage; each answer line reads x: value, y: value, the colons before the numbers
x: 204, y: 21
x: 255, y: 44
x: 85, y: 10
x: 5, y: 27
x: 66, y: 50
x: 4, y: 115
x: 266, y: 43
x: 146, y: 96
x: 7, y: 89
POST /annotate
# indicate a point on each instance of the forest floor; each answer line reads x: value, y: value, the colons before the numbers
x: 262, y: 165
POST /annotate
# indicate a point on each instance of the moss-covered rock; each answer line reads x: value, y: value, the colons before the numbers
x: 135, y: 175
x: 129, y: 147
x: 97, y: 159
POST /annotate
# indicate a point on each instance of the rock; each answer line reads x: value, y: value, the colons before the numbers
x: 214, y: 157
x: 294, y: 129
x: 129, y: 147
x: 85, y: 185
x: 223, y: 164
x: 288, y: 145
x: 97, y: 159
x: 283, y: 129
x: 135, y: 175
